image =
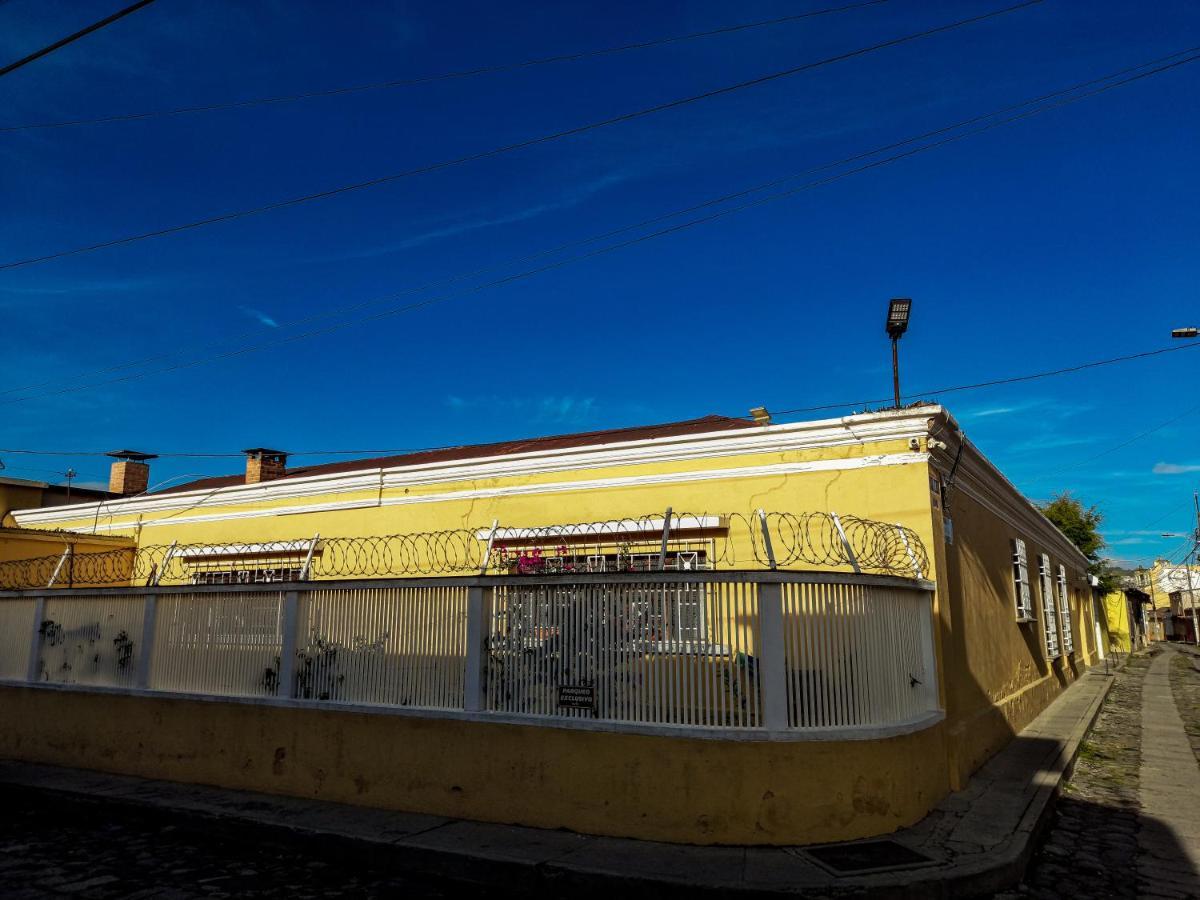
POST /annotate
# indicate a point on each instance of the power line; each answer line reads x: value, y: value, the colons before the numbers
x: 1133, y: 440
x: 329, y: 312
x: 71, y: 38
x: 446, y: 76
x: 1063, y: 97
x: 998, y: 381
x: 394, y: 451
x: 509, y: 148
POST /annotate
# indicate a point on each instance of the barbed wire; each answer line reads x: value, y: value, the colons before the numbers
x: 693, y: 542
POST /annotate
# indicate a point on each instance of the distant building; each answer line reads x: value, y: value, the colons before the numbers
x: 21, y: 493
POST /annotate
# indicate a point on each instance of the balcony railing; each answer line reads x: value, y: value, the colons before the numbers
x: 803, y: 653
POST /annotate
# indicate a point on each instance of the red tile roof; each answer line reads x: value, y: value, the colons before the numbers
x: 482, y: 451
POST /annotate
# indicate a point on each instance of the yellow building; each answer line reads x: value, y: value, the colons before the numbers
x: 973, y: 612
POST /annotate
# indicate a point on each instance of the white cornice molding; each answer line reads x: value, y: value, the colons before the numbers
x: 594, y: 484
x: 845, y: 431
x: 979, y: 478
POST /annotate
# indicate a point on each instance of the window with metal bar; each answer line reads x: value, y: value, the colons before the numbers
x: 1064, y: 607
x: 1022, y: 596
x: 1049, y: 619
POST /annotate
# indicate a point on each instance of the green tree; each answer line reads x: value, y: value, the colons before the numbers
x: 1082, y: 525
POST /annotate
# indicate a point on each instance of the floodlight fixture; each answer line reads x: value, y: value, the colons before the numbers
x: 1185, y: 332
x: 897, y: 324
x: 897, y: 318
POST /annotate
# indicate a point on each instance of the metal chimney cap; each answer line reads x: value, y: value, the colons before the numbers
x: 133, y: 455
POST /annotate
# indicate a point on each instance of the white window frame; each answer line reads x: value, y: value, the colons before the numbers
x: 1049, y: 617
x: 1022, y: 596
x: 1064, y: 610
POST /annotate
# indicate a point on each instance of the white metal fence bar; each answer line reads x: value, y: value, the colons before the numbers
x: 17, y: 624
x: 696, y: 649
x: 857, y: 656
x: 149, y: 611
x: 227, y: 643
x: 90, y: 640
x: 662, y: 653
x: 394, y: 646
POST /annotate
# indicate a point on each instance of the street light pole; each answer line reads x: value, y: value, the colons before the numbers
x: 1195, y: 559
x: 1189, y: 333
x: 897, y: 324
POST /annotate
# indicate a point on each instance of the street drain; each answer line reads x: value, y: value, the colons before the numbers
x: 865, y: 857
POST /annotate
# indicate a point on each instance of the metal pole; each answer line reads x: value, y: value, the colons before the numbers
x: 850, y: 557
x: 312, y: 548
x: 487, y: 553
x: 61, y: 561
x: 666, y: 536
x: 896, y: 369
x: 1196, y: 555
x: 766, y: 536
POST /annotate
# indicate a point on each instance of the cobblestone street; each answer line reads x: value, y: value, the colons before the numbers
x: 1110, y: 836
x: 53, y: 846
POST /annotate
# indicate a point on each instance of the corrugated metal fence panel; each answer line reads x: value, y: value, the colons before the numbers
x: 395, y: 646
x: 855, y: 655
x: 672, y: 654
x: 16, y: 632
x: 91, y: 640
x: 219, y: 643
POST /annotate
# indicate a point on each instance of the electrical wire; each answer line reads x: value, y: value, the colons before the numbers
x: 652, y: 235
x: 509, y: 148
x: 71, y: 38
x: 329, y: 312
x: 403, y: 450
x: 446, y: 76
x: 1113, y: 449
x: 996, y: 382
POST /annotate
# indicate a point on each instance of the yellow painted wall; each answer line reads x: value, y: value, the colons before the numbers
x: 889, y: 493
x: 27, y: 544
x: 997, y: 675
x: 1116, y: 612
x: 994, y: 676
x: 656, y: 788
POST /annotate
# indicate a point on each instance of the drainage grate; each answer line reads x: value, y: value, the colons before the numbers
x: 865, y: 857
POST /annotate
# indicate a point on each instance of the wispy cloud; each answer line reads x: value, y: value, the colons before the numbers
x: 1051, y: 442
x: 1042, y: 404
x: 259, y: 315
x: 1165, y: 468
x: 564, y: 409
x: 479, y: 221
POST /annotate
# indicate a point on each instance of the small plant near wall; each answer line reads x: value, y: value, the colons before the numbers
x: 317, y: 675
x: 123, y: 646
x: 270, y: 678
x: 51, y: 632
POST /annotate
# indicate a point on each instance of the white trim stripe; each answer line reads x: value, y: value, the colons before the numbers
x: 831, y: 465
x: 848, y: 431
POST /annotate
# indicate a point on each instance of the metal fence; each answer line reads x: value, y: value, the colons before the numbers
x: 664, y: 541
x: 709, y: 650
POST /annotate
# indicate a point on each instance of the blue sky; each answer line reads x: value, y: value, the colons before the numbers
x: 1065, y: 238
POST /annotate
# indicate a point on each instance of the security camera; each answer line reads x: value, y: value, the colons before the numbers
x: 935, y: 444
x: 914, y: 444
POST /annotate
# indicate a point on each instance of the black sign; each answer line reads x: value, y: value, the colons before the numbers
x: 577, y: 696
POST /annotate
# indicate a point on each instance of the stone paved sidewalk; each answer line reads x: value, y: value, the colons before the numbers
x: 1125, y: 825
x: 1169, y: 787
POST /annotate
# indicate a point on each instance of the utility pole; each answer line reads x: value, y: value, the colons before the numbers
x: 1195, y: 559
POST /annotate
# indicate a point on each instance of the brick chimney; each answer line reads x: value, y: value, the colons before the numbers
x: 264, y: 465
x: 129, y: 474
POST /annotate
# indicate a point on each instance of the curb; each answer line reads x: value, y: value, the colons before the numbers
x: 996, y: 870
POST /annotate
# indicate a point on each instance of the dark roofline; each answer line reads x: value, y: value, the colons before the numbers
x: 485, y: 451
